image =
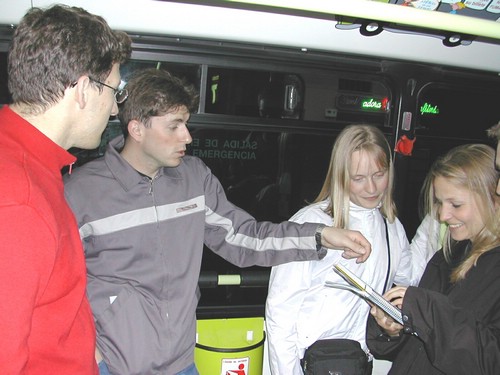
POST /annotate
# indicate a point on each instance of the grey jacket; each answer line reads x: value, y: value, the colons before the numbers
x: 143, y: 243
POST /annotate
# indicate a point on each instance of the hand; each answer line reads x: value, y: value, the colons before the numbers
x: 98, y: 356
x: 353, y: 244
x: 395, y: 296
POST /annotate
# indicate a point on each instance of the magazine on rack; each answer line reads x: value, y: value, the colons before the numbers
x: 358, y: 286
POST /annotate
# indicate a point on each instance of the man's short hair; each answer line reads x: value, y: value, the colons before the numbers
x: 155, y: 92
x: 53, y: 47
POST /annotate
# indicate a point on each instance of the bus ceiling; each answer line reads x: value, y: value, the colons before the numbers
x: 444, y: 33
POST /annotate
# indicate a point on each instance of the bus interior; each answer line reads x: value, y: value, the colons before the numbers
x: 278, y: 84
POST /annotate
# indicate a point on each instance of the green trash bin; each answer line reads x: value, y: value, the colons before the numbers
x: 230, y: 346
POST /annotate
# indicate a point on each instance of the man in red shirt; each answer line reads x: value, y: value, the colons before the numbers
x: 63, y: 74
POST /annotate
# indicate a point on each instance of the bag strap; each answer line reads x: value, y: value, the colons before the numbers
x: 388, y: 255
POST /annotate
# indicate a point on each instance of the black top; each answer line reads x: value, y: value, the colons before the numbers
x: 449, y: 328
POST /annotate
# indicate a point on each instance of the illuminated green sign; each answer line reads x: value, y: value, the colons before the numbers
x: 214, y: 87
x: 371, y: 104
x: 429, y: 109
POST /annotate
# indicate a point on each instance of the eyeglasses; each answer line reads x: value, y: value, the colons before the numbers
x: 120, y: 94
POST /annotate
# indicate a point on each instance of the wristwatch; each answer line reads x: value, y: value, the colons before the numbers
x: 317, y: 236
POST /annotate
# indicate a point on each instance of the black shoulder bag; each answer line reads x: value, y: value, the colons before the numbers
x: 336, y: 356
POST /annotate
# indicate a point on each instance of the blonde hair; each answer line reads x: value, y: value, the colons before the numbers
x: 336, y: 185
x: 470, y: 167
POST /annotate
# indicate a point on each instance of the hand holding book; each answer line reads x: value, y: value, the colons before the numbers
x: 365, y: 291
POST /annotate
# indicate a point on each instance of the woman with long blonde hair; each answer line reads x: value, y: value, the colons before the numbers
x: 356, y: 194
x: 452, y: 320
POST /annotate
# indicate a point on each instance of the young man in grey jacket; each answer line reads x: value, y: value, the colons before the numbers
x: 145, y: 210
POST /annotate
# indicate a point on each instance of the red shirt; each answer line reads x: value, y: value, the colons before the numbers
x: 46, y: 325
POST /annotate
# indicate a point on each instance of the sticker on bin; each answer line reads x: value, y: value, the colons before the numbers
x: 235, y: 366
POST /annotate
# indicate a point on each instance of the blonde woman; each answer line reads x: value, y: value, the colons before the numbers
x: 356, y: 194
x: 452, y: 320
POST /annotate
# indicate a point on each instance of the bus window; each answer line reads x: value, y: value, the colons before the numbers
x: 318, y: 96
x: 456, y: 111
x: 254, y: 93
x: 189, y: 72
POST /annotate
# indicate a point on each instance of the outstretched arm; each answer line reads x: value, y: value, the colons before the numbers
x: 352, y: 243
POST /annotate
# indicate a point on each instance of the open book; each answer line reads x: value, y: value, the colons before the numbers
x: 358, y: 286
